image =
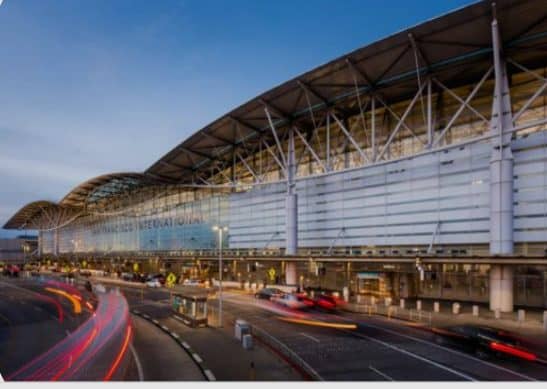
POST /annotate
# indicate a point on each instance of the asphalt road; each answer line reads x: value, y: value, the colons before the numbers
x: 27, y: 312
x: 379, y: 349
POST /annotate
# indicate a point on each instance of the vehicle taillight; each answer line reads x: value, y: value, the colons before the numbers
x: 512, y: 351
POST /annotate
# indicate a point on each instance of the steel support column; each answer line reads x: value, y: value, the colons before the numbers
x: 291, y: 202
x: 501, y: 161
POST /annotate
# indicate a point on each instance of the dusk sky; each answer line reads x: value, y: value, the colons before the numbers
x: 89, y: 87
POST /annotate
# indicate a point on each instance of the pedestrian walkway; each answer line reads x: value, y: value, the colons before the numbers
x: 223, y: 353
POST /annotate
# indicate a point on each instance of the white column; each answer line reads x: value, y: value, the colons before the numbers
x: 290, y: 273
x: 291, y: 202
x: 501, y: 161
x: 56, y: 242
x: 501, y: 288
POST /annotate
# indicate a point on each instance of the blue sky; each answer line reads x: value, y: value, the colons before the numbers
x: 100, y: 86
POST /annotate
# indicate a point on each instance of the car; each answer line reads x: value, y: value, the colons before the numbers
x: 290, y: 301
x: 483, y: 341
x: 153, y: 283
x: 192, y: 282
x: 325, y: 302
x: 268, y: 293
x: 304, y: 298
x: 11, y: 270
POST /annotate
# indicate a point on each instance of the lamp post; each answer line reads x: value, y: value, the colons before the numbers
x: 220, y: 229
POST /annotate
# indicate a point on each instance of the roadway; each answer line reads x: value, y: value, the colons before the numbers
x: 26, y: 313
x: 378, y: 349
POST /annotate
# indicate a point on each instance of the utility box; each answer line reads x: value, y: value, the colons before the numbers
x: 242, y: 328
x: 247, y: 341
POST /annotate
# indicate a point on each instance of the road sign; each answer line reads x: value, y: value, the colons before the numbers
x: 171, y: 279
x: 271, y: 273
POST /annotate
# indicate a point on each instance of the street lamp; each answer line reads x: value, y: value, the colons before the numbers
x: 220, y: 229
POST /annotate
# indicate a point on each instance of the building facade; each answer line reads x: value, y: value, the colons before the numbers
x: 415, y: 166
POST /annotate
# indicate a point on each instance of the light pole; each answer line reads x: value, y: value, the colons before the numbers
x: 220, y: 229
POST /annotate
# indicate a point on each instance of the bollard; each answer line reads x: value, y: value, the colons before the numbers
x: 521, y: 315
x: 373, y: 300
x: 418, y: 305
x: 456, y: 308
x: 497, y: 313
x: 359, y: 297
x: 387, y: 301
x: 476, y: 310
x: 545, y: 321
x: 436, y: 307
x: 252, y: 372
x: 402, y: 303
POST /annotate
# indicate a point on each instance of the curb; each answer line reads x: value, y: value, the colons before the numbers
x: 207, y: 373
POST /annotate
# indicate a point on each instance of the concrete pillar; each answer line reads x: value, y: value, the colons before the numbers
x: 501, y: 288
x: 501, y: 160
x: 291, y: 202
x: 475, y: 310
x: 290, y: 273
x: 56, y: 242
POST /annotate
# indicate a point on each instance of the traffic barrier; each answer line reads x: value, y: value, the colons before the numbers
x: 436, y: 307
x: 476, y: 310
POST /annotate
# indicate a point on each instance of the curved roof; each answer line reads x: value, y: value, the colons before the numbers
x: 28, y: 212
x: 104, y: 186
x: 89, y: 191
x: 456, y: 48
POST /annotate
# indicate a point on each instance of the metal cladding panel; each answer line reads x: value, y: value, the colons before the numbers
x: 530, y: 186
x: 387, y: 204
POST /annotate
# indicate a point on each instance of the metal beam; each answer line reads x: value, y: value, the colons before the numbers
x: 313, y: 153
x: 462, y: 107
x: 401, y: 122
x: 350, y: 138
x: 274, y: 132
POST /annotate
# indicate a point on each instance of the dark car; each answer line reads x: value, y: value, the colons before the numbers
x: 268, y: 293
x: 483, y: 341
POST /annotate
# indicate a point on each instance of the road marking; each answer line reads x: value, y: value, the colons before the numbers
x: 197, y: 358
x: 185, y: 345
x: 37, y: 309
x: 310, y: 337
x: 137, y: 362
x: 209, y: 374
x: 165, y: 328
x: 174, y: 335
x: 380, y: 373
x: 146, y: 316
x: 415, y: 356
x: 67, y: 332
x: 451, y: 351
x: 155, y: 321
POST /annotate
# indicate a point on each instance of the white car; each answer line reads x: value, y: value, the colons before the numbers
x: 154, y: 283
x: 289, y: 301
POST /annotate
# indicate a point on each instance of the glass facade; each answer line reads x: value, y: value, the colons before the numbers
x: 165, y: 226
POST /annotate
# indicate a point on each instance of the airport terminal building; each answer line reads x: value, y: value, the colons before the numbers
x: 414, y: 166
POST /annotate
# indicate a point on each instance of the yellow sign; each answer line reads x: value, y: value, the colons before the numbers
x: 135, y: 267
x: 84, y: 264
x: 171, y: 279
x: 271, y: 273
